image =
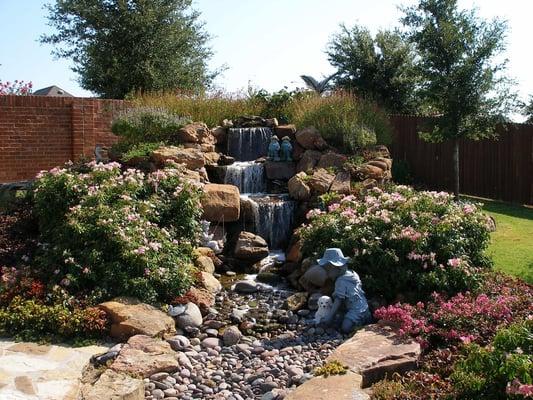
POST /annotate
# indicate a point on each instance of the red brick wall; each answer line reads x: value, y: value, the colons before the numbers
x: 38, y: 132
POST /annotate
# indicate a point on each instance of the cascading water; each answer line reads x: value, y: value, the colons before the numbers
x: 248, y: 176
x: 248, y: 144
x: 273, y: 218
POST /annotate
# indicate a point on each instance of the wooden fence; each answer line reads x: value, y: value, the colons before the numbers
x: 499, y: 169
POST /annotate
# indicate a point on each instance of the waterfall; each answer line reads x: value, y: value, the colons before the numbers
x: 248, y: 144
x: 248, y: 176
x: 273, y: 218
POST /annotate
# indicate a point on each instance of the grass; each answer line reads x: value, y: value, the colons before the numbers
x: 511, y: 245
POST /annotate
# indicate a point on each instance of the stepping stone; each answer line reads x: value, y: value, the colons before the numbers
x: 338, y: 387
x: 375, y: 352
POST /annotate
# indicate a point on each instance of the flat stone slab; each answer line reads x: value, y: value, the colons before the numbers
x: 334, y: 387
x: 375, y: 352
x: 31, y: 371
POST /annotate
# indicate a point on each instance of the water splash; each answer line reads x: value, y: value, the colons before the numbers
x: 248, y: 144
x: 248, y: 176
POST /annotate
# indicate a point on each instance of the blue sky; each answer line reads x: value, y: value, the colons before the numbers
x: 267, y: 43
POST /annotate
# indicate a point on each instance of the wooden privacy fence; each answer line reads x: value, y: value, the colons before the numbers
x: 499, y: 169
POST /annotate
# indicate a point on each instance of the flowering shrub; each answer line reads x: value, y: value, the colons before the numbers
x: 402, y: 241
x: 106, y: 232
x: 463, y: 318
x: 19, y: 88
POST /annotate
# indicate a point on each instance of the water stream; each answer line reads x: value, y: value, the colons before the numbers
x: 248, y: 144
x: 248, y: 176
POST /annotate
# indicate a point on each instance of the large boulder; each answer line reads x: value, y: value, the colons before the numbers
x: 210, y: 282
x: 298, y: 188
x: 221, y: 203
x: 321, y: 181
x: 144, y: 356
x: 203, y: 298
x: 314, y: 278
x: 367, y: 171
x: 197, y: 132
x: 375, y: 352
x: 112, y: 385
x: 338, y: 387
x: 282, y: 170
x: 331, y: 160
x: 308, y: 161
x: 205, y: 263
x: 211, y: 158
x: 285, y: 130
x: 190, y: 316
x: 191, y: 158
x: 220, y: 133
x: 309, y: 138
x: 250, y: 247
x: 342, y: 183
x: 130, y: 317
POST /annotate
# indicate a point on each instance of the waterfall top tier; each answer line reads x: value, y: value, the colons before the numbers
x: 248, y: 144
x: 248, y: 176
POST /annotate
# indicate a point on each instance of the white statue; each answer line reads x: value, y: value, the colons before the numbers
x: 324, y: 308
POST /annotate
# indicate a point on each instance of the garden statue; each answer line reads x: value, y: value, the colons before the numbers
x: 286, y: 149
x: 348, y: 295
x: 206, y: 239
x: 273, y: 149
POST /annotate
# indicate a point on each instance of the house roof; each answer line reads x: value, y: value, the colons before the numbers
x: 52, y: 91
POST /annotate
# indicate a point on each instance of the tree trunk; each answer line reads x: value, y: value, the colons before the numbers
x: 455, y: 161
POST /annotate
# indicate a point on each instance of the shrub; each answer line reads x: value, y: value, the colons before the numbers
x: 19, y: 88
x: 402, y: 241
x: 505, y: 368
x: 147, y: 124
x: 343, y: 120
x: 105, y: 232
x: 463, y: 318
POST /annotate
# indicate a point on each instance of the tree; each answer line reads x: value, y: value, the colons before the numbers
x: 122, y: 46
x: 319, y: 87
x: 527, y: 110
x: 381, y: 68
x: 460, y: 77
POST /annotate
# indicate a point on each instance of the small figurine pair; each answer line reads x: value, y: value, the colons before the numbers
x: 274, y: 149
x: 348, y: 293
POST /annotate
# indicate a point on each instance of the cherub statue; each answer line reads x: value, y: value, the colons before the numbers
x: 348, y: 292
x: 273, y: 149
x: 286, y: 149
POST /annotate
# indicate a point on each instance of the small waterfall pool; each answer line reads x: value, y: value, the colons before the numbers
x: 248, y: 176
x: 248, y: 144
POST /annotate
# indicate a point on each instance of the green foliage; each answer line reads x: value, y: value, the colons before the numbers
x: 401, y: 172
x: 490, y: 372
x: 403, y: 242
x: 380, y: 68
x: 133, y: 153
x: 119, y: 47
x: 343, y: 120
x: 276, y: 104
x: 107, y: 233
x: 527, y: 110
x: 460, y: 78
x: 331, y: 368
x: 146, y: 124
x: 34, y: 320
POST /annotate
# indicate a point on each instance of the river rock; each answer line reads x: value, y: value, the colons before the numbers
x: 145, y: 356
x: 298, y: 188
x: 130, y: 317
x: 190, y: 317
x: 232, y: 335
x: 197, y: 132
x: 210, y: 282
x: 281, y: 170
x: 310, y: 138
x: 296, y: 301
x: 250, y: 247
x: 211, y: 342
x: 375, y: 352
x: 192, y: 158
x: 342, y: 183
x: 269, y: 278
x: 221, y: 203
x: 308, y: 161
x: 179, y: 343
x: 112, y: 385
x: 312, y: 302
x: 314, y: 277
x: 245, y: 286
x: 321, y: 181
x: 331, y: 160
x: 204, y: 263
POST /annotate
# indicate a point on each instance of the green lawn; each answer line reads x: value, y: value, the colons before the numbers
x: 511, y: 244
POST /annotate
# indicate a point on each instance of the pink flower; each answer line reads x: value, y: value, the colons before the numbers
x: 454, y: 262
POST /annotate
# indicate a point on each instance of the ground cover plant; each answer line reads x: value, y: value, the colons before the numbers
x: 403, y: 242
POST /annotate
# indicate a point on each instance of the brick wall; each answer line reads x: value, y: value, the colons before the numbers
x: 38, y: 132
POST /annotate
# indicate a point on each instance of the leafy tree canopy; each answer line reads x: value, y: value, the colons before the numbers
x: 527, y: 110
x: 381, y: 68
x: 121, y: 46
x: 461, y: 79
